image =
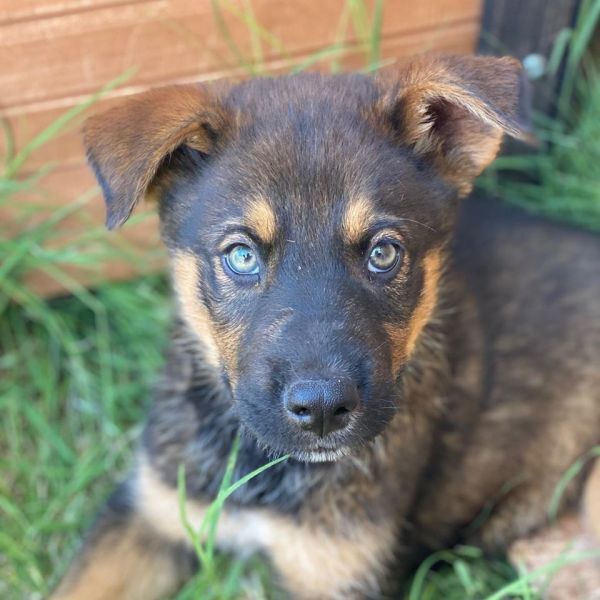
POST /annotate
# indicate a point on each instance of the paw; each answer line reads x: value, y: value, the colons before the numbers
x: 551, y: 545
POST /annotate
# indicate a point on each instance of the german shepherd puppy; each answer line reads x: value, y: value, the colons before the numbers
x: 419, y: 358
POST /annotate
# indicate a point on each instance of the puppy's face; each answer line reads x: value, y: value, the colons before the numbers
x: 306, y: 220
x: 306, y: 256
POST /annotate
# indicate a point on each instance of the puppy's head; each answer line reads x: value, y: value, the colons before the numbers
x: 306, y: 219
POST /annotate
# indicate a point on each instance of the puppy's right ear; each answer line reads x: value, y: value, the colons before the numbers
x: 126, y: 145
x: 453, y: 111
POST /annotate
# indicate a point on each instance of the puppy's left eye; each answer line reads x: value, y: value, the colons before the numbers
x: 384, y: 257
x: 242, y: 260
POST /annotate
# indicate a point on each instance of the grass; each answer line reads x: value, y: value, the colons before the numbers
x: 74, y: 382
x: 218, y: 577
x: 75, y: 372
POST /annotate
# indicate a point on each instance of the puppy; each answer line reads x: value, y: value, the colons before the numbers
x: 423, y: 360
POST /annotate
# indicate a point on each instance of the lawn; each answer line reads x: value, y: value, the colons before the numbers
x: 76, y: 371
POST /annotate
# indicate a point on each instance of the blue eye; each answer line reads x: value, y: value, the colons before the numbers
x: 242, y: 260
x: 383, y: 257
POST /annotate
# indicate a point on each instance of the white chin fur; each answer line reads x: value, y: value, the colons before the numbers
x: 321, y: 456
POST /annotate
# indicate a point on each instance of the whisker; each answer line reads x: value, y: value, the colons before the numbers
x: 418, y: 223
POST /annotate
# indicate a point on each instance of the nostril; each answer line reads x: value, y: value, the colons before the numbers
x: 322, y: 406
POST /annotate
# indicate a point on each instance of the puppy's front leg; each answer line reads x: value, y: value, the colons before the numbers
x: 124, y: 558
x: 316, y: 564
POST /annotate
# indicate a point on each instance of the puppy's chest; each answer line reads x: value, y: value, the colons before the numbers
x: 345, y: 547
x: 240, y: 530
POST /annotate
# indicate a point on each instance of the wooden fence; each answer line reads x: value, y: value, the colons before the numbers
x: 55, y: 53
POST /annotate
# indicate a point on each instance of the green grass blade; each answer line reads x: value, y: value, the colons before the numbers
x: 375, y: 39
x: 509, y: 590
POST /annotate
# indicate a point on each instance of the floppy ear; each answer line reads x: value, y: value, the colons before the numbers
x: 127, y: 144
x: 454, y: 110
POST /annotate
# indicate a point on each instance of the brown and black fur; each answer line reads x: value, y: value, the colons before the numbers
x: 476, y: 360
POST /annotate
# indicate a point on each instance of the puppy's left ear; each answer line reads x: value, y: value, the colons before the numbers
x: 127, y: 145
x: 454, y: 111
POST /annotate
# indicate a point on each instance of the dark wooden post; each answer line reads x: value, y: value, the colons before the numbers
x: 524, y: 28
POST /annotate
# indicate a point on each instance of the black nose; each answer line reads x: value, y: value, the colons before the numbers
x: 321, y: 406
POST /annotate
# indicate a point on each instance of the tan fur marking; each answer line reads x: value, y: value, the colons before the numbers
x: 313, y: 561
x: 397, y: 335
x: 591, y: 501
x: 186, y: 271
x: 123, y: 565
x: 404, y: 339
x: 358, y: 215
x: 220, y: 345
x: 260, y: 217
x: 432, y: 269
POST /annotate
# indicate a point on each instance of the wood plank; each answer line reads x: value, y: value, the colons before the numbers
x: 13, y: 11
x: 67, y: 149
x: 73, y: 54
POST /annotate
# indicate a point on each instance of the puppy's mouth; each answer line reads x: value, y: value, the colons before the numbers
x: 325, y: 451
x: 322, y: 456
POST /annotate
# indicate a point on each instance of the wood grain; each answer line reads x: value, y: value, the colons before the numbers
x: 67, y: 149
x: 14, y: 11
x: 73, y: 54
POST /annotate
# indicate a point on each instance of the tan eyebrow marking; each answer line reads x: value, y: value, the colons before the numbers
x: 357, y: 218
x: 261, y: 218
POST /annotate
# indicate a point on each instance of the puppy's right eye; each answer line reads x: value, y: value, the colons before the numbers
x: 242, y: 260
x: 384, y: 257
